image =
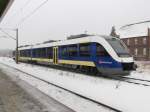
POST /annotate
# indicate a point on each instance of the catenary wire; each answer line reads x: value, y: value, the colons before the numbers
x: 30, y: 14
x: 19, y: 10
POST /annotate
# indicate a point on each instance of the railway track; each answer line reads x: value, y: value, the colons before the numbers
x: 137, y: 81
x: 77, y: 94
x: 130, y: 80
x: 119, y: 78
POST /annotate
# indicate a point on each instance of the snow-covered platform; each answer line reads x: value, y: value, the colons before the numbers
x: 120, y: 95
x: 19, y: 96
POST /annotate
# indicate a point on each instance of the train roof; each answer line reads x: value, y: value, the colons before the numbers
x: 85, y: 39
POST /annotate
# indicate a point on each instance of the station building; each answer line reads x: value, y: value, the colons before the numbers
x: 136, y: 36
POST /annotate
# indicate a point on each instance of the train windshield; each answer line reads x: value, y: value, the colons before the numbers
x: 119, y: 47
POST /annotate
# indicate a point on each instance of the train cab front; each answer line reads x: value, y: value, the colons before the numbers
x: 129, y: 66
x: 123, y: 66
x: 123, y: 62
x: 117, y: 68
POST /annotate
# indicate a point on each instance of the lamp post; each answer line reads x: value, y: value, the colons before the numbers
x: 16, y: 39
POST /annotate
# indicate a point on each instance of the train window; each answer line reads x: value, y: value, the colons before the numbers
x: 100, y: 50
x: 49, y: 52
x: 64, y: 51
x: 37, y: 53
x: 24, y: 53
x: 27, y: 53
x: 72, y: 50
x: 119, y: 47
x: 33, y: 53
x: 85, y: 49
x: 43, y: 52
x: 21, y: 53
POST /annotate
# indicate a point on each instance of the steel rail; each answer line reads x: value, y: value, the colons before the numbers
x: 129, y: 80
x: 119, y: 78
x: 136, y: 79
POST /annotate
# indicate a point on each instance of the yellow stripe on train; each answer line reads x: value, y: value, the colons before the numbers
x: 42, y: 59
x: 36, y: 59
x: 85, y: 63
x: 73, y: 62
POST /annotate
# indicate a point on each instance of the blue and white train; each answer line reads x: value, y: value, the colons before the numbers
x: 107, y: 54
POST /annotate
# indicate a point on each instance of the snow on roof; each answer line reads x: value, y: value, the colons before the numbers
x: 134, y: 30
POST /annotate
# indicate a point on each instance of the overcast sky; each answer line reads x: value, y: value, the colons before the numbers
x: 57, y: 19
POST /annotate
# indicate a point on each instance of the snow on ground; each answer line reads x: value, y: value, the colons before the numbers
x: 143, y: 70
x: 121, y: 95
x: 72, y: 101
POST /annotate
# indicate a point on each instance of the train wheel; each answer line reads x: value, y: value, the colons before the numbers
x: 94, y: 70
x: 74, y: 66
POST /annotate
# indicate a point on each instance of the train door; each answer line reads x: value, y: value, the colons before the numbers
x: 55, y: 55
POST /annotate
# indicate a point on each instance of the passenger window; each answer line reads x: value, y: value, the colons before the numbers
x: 21, y: 53
x: 37, y: 53
x: 72, y: 50
x: 100, y: 50
x: 43, y: 52
x: 85, y: 49
x: 33, y: 53
x: 25, y: 53
x: 64, y: 52
x: 28, y: 53
x: 49, y: 52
